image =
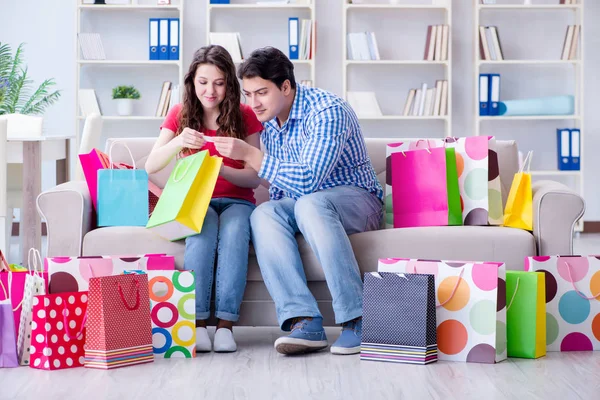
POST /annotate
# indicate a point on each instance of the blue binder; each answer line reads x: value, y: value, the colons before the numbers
x: 293, y: 38
x: 494, y: 94
x: 484, y: 90
x: 153, y: 28
x: 163, y: 39
x: 575, y: 163
x: 563, y: 149
x: 174, y: 39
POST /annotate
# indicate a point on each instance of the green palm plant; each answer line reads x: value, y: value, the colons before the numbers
x: 16, y: 93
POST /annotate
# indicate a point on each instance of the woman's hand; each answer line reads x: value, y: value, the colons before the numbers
x: 191, y: 139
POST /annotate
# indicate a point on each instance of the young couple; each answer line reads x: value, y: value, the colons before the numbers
x: 321, y: 184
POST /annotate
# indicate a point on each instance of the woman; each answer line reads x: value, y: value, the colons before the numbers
x: 212, y: 107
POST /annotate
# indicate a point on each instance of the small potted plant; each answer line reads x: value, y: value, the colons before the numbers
x: 125, y: 95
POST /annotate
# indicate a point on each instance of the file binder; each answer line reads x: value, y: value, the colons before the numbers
x: 174, y: 39
x: 484, y: 88
x: 163, y: 39
x: 575, y: 149
x: 153, y: 39
x: 494, y: 94
x: 293, y: 34
x: 563, y: 144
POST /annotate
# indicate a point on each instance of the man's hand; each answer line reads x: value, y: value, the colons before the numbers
x: 238, y: 149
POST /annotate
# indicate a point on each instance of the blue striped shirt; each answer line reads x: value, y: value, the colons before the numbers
x: 320, y: 146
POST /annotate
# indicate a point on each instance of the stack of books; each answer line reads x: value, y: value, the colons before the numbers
x: 231, y: 41
x: 300, y: 37
x: 169, y: 96
x: 569, y: 51
x: 436, y: 44
x: 362, y: 46
x: 427, y: 101
x: 490, y: 47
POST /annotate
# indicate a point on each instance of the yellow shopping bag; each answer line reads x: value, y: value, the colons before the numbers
x: 183, y: 204
x: 518, y: 212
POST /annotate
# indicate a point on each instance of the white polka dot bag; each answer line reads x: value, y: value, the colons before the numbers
x: 58, y: 330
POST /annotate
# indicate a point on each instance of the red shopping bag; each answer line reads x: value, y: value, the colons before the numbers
x: 119, y: 325
x: 58, y: 330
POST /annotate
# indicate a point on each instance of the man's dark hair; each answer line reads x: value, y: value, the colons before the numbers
x: 270, y: 64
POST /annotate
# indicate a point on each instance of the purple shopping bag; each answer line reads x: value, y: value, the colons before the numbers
x: 8, y: 341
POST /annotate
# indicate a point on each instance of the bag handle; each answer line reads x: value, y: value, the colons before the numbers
x: 187, y: 169
x: 574, y: 287
x: 514, y: 294
x: 37, y: 268
x: 137, y: 299
x: 9, y: 295
x: 66, y: 326
x: 112, y: 145
x: 527, y: 162
x: 6, y: 296
x: 453, y: 290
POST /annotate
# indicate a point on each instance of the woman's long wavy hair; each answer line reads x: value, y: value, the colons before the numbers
x: 230, y: 120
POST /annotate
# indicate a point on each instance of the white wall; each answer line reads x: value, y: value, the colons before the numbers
x: 40, y: 22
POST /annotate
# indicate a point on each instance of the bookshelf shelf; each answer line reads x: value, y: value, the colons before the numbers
x: 306, y: 9
x: 175, y: 63
x: 132, y: 7
x: 355, y: 13
x: 575, y: 121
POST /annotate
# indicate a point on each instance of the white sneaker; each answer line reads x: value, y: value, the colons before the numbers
x: 224, y: 342
x: 202, y: 340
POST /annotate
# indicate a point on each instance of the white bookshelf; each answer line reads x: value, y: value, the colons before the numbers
x: 405, y: 68
x: 131, y: 64
x: 484, y: 125
x: 239, y: 12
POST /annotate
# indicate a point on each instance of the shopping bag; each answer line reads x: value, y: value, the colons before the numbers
x: 122, y: 195
x: 154, y: 191
x: 90, y: 163
x: 72, y: 274
x: 58, y: 330
x: 173, y: 310
x: 519, y: 205
x: 8, y: 341
x: 526, y: 314
x: 470, y: 308
x: 399, y: 318
x: 495, y: 207
x: 183, y: 204
x: 472, y: 168
x: 119, y: 328
x: 426, y: 191
x: 35, y: 285
x: 572, y: 301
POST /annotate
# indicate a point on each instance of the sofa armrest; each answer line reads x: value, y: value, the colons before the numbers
x: 556, y: 210
x: 68, y: 212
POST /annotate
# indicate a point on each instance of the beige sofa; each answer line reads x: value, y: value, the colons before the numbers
x: 67, y: 210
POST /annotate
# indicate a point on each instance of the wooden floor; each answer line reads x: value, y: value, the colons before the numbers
x: 256, y: 371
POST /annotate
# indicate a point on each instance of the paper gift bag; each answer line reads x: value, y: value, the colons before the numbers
x: 426, y: 191
x: 90, y: 163
x: 495, y: 207
x: 471, y: 306
x: 154, y: 191
x: 472, y: 169
x: 519, y: 205
x: 58, y: 330
x: 173, y: 304
x: 72, y: 274
x: 572, y: 301
x: 35, y: 285
x: 122, y: 195
x: 399, y: 318
x: 526, y: 314
x: 181, y: 209
x: 8, y: 341
x: 119, y: 328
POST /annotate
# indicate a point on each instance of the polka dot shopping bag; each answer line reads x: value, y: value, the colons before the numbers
x: 58, y: 330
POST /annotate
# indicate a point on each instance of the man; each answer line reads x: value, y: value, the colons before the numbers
x: 321, y: 184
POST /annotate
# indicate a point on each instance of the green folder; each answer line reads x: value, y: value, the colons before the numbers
x: 526, y: 314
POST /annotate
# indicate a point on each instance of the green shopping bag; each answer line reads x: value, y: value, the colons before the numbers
x: 454, y: 206
x: 526, y: 314
x: 182, y: 206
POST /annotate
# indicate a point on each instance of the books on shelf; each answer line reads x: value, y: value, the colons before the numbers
x: 169, y: 96
x: 362, y: 46
x: 364, y: 104
x: 91, y: 46
x: 571, y: 44
x: 568, y: 1
x: 487, y: 1
x: 427, y: 101
x: 490, y: 47
x: 436, y: 43
x: 88, y: 102
x: 300, y: 35
x: 231, y: 41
